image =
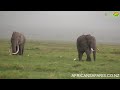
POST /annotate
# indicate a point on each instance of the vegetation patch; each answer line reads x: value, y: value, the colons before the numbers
x: 57, y: 60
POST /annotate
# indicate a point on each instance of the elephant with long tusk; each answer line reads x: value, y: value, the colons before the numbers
x: 17, y: 43
x: 87, y: 44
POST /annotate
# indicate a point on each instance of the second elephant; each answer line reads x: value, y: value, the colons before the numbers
x: 87, y: 44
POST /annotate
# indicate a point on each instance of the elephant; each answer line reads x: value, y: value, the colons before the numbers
x: 17, y: 43
x: 87, y: 44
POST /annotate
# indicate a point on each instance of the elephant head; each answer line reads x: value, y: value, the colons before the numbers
x: 87, y: 44
x: 17, y: 43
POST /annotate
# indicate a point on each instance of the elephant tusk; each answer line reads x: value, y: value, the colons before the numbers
x: 92, y: 49
x: 17, y: 50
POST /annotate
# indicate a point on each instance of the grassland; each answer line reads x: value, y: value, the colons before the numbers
x: 55, y: 60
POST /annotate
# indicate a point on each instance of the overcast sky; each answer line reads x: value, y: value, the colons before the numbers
x: 61, y: 25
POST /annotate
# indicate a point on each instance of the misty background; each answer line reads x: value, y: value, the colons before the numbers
x: 61, y: 25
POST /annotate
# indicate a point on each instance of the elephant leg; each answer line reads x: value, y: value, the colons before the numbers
x: 88, y: 52
x: 80, y: 55
x: 94, y: 55
x: 20, y: 50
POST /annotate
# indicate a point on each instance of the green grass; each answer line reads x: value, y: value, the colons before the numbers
x: 55, y: 60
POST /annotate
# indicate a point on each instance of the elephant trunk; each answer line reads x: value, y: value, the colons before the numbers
x: 16, y: 51
x: 12, y: 50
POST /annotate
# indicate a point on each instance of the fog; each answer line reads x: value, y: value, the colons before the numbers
x: 61, y: 25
